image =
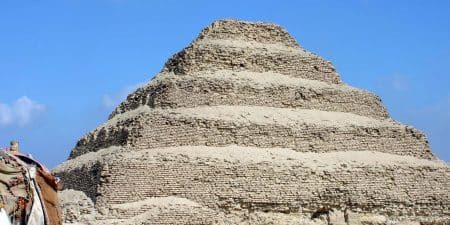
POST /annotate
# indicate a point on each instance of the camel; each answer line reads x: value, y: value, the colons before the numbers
x: 28, y: 190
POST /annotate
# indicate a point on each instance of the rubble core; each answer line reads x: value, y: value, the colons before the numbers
x: 244, y: 126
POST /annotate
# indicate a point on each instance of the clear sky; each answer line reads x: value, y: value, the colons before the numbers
x: 65, y: 64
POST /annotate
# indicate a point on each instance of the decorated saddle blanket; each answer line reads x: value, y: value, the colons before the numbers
x: 28, y: 192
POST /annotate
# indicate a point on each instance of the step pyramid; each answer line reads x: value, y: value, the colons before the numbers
x: 244, y: 126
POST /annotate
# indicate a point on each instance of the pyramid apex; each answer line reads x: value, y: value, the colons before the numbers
x: 263, y: 32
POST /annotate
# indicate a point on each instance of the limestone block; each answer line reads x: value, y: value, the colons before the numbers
x: 336, y: 217
x: 373, y: 220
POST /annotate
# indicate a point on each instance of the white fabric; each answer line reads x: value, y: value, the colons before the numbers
x: 37, y: 213
x: 4, y: 220
x: 32, y: 172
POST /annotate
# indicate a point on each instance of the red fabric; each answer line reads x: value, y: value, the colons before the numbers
x: 49, y: 190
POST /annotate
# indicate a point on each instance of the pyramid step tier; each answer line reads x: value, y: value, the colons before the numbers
x: 268, y: 180
x: 249, y: 88
x: 266, y: 127
x: 212, y: 56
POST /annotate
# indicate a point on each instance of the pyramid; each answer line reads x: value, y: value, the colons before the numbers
x: 244, y: 126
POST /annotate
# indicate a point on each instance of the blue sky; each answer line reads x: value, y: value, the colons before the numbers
x: 65, y: 64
